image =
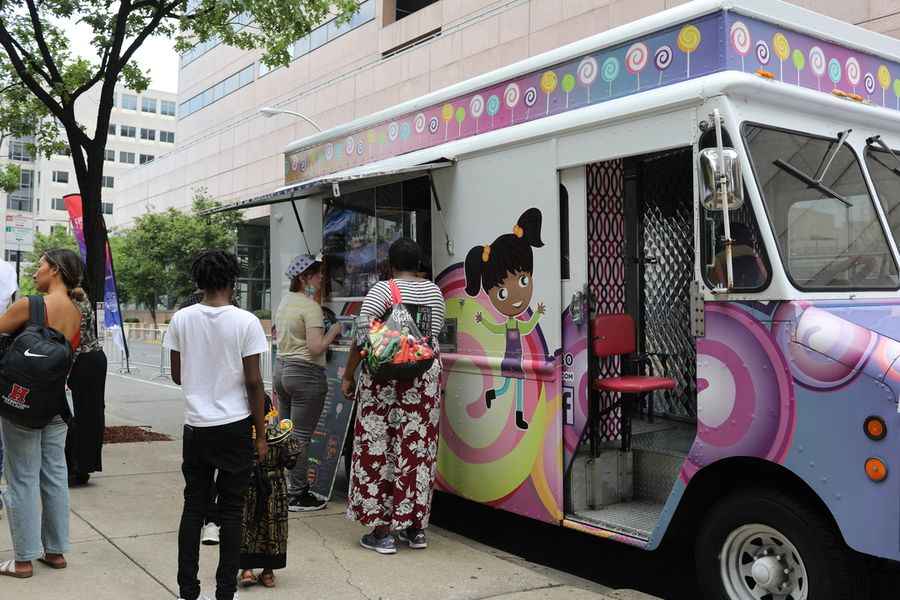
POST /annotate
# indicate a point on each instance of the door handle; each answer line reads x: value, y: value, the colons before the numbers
x: 576, y: 308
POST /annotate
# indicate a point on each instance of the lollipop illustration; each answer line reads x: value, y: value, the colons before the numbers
x: 349, y: 144
x: 530, y: 99
x: 817, y: 64
x: 567, y: 85
x: 636, y: 60
x: 834, y: 70
x: 381, y: 140
x: 393, y: 131
x: 662, y: 58
x: 548, y: 86
x: 404, y: 132
x: 688, y: 40
x: 433, y: 124
x: 851, y: 67
x: 476, y: 108
x: 447, y: 116
x: 587, y: 74
x: 782, y: 51
x: 799, y: 60
x: 762, y: 53
x: 511, y: 99
x: 897, y: 92
x: 329, y: 151
x: 869, y: 82
x: 493, y: 105
x: 610, y: 71
x: 740, y: 40
x: 460, y: 117
x: 884, y: 80
x: 371, y: 137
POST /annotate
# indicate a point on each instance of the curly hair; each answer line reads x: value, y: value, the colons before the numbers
x: 215, y: 270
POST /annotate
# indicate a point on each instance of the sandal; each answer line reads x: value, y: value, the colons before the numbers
x: 8, y: 569
x: 60, y: 564
x: 248, y: 578
x: 267, y: 579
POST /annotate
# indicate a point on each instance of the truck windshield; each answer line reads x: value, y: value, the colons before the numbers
x: 827, y: 229
x: 885, y: 172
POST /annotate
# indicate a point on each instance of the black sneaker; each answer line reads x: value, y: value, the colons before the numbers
x: 414, y: 537
x: 306, y: 502
x: 385, y: 545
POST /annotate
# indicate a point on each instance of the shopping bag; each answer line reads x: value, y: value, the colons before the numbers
x: 393, y: 346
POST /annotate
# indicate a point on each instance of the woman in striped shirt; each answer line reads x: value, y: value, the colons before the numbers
x: 396, y: 432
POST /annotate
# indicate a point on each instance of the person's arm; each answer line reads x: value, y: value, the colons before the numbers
x: 317, y: 341
x: 531, y: 323
x: 175, y: 366
x: 497, y: 328
x: 348, y: 382
x: 15, y: 317
x: 257, y: 399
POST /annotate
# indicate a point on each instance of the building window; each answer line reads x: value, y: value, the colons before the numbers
x: 111, y: 129
x: 218, y: 91
x: 14, y: 255
x: 108, y: 181
x: 19, y: 201
x: 148, y: 134
x: 148, y: 104
x: 145, y: 158
x: 127, y: 131
x: 126, y: 157
x: 57, y: 204
x: 61, y: 176
x: 107, y: 208
x: 129, y: 101
x: 110, y: 155
x: 115, y: 99
x: 167, y: 136
x: 19, y: 151
x: 167, y: 108
x: 408, y: 7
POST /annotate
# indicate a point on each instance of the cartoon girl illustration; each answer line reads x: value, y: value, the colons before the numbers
x: 504, y: 271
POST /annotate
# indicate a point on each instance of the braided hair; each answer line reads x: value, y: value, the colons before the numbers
x: 487, y: 266
x: 214, y: 270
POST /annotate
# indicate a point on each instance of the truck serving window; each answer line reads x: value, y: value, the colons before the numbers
x: 825, y: 223
x: 358, y: 227
x: 885, y: 172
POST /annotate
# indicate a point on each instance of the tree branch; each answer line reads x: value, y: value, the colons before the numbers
x: 9, y: 44
x: 42, y: 43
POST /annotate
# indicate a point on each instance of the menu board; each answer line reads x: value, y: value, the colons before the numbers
x: 327, y: 441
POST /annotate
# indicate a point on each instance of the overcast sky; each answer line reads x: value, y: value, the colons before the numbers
x: 155, y: 55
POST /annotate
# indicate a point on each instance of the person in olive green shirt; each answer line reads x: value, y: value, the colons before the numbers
x: 299, y: 378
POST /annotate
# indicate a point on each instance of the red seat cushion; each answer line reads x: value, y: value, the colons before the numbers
x: 634, y: 384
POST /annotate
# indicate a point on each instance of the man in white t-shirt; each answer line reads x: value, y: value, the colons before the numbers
x: 8, y: 287
x: 215, y: 349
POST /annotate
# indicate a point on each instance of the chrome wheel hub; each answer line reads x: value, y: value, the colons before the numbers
x: 758, y: 562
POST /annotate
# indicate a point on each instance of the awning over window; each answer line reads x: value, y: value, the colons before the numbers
x: 366, y: 176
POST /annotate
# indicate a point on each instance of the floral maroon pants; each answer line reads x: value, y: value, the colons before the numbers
x: 395, y: 450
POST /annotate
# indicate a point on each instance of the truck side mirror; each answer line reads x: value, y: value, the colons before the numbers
x: 710, y: 170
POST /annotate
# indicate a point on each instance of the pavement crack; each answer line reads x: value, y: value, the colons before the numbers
x: 337, y: 560
x: 516, y: 593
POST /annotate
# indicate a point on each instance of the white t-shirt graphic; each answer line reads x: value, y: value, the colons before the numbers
x: 213, y: 342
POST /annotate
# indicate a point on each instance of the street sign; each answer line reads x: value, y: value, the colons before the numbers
x: 19, y: 229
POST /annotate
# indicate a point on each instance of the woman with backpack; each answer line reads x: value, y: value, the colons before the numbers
x: 37, y: 500
x: 396, y: 433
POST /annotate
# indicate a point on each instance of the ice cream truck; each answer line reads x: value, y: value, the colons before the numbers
x: 669, y: 254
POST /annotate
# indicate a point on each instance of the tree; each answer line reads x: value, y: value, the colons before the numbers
x: 40, y: 68
x: 59, y: 237
x: 154, y: 256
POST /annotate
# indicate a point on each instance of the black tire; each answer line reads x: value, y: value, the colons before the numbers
x: 833, y: 571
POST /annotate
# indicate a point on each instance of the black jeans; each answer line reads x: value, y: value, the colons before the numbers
x: 228, y: 448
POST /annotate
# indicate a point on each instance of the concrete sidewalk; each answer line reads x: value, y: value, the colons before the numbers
x: 124, y: 528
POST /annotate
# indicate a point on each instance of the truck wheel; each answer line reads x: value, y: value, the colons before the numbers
x: 759, y: 544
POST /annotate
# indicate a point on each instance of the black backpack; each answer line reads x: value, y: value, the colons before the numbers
x: 33, y: 372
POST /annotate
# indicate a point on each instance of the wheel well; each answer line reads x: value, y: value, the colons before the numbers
x: 717, y: 480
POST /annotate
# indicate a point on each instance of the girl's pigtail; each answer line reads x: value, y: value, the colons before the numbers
x: 474, y: 268
x: 530, y: 223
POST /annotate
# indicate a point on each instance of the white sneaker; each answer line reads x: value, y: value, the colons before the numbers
x: 209, y: 535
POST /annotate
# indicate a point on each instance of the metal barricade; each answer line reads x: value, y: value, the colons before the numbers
x: 146, y: 349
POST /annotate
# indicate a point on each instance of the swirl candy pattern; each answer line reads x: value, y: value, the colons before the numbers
x: 636, y: 60
x: 419, y: 123
x: 587, y: 73
x: 511, y: 99
x: 610, y: 71
x: 476, y: 108
x: 851, y: 67
x: 688, y: 40
x: 869, y: 82
x: 884, y: 80
x: 762, y: 53
x: 782, y: 51
x: 834, y: 70
x: 662, y: 58
x: 393, y: 131
x: 548, y: 86
x: 740, y: 40
x: 817, y: 64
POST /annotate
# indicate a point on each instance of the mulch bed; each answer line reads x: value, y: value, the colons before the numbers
x: 123, y: 434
